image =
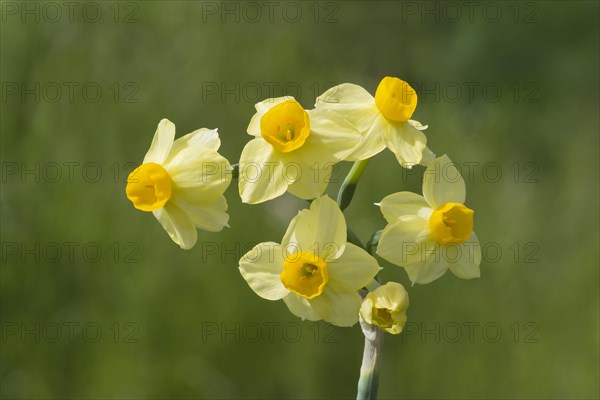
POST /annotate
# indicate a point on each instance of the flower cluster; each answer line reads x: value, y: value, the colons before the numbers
x: 319, y: 270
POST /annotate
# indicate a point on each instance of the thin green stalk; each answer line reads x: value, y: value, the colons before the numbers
x: 374, y: 284
x: 368, y: 382
x: 235, y: 172
x: 373, y: 242
x: 349, y: 185
x: 354, y: 239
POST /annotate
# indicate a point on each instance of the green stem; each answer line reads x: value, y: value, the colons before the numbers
x: 353, y: 238
x: 349, y: 185
x: 370, y: 247
x: 374, y: 284
x: 368, y: 381
x: 373, y: 242
x: 235, y: 171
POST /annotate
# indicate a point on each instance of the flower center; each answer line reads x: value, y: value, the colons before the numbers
x: 451, y: 223
x: 395, y: 99
x: 382, y: 317
x: 305, y: 274
x: 148, y: 187
x: 285, y: 126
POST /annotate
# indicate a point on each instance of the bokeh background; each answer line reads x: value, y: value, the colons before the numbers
x: 97, y: 302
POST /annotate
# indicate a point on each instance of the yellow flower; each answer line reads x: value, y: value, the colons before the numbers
x: 293, y: 150
x: 182, y: 183
x: 314, y: 270
x: 386, y: 307
x: 430, y: 234
x: 383, y: 121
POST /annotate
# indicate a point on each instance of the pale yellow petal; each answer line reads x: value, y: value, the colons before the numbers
x: 406, y: 142
x: 401, y: 242
x: 353, y: 270
x: 291, y: 230
x: 432, y: 268
x: 333, y: 133
x: 442, y: 183
x: 254, y: 125
x: 261, y: 268
x: 408, y: 243
x: 260, y: 173
x: 321, y: 229
x: 351, y: 102
x: 337, y: 307
x: 210, y: 217
x: 391, y: 297
x: 372, y: 142
x: 399, y: 204
x: 200, y: 175
x: 428, y: 156
x: 355, y: 105
x: 308, y: 169
x: 307, y: 181
x: 161, y: 143
x: 300, y: 307
x: 465, y: 258
x: 178, y: 225
x: 417, y: 125
x: 200, y: 138
x: 366, y: 309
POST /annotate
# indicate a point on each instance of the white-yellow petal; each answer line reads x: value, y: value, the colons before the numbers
x: 464, y: 259
x: 337, y: 307
x: 301, y: 307
x: 417, y: 125
x: 261, y: 268
x: 307, y: 181
x: 366, y: 309
x: 391, y: 297
x: 406, y: 142
x: 433, y: 267
x: 442, y: 183
x: 330, y: 132
x: 210, y: 217
x: 177, y: 224
x: 260, y: 173
x: 161, y: 143
x: 200, y: 175
x: 400, y: 204
x: 321, y: 229
x: 428, y: 156
x: 401, y: 242
x: 408, y: 243
x: 372, y: 142
x: 353, y: 270
x: 200, y: 138
x: 288, y: 237
x: 352, y: 102
x: 355, y: 105
x: 254, y: 125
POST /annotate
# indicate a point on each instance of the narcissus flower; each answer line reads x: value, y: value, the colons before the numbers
x: 293, y: 149
x: 386, y: 307
x: 383, y: 121
x: 431, y: 233
x: 182, y: 183
x: 314, y: 270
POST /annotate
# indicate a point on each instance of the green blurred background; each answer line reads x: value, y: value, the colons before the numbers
x: 184, y: 324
